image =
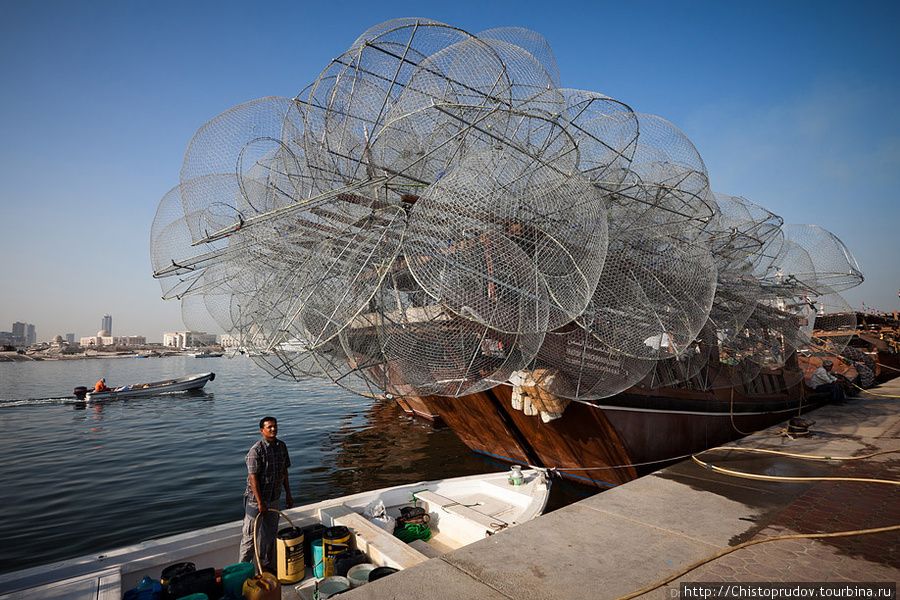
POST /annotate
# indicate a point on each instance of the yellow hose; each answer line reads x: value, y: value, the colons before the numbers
x: 872, y: 393
x: 795, y: 536
x: 806, y: 456
x: 779, y: 478
x: 259, y: 569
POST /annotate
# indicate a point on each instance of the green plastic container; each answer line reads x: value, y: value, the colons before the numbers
x: 234, y: 576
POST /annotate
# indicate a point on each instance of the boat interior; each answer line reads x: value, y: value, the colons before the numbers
x: 460, y: 511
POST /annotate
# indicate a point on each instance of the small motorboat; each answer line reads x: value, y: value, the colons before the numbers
x: 207, y: 354
x: 460, y: 511
x: 168, y: 386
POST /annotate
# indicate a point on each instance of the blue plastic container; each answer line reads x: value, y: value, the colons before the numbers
x: 318, y: 558
x: 147, y: 589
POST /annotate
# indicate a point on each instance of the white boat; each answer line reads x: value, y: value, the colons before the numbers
x: 207, y: 354
x: 462, y: 510
x: 179, y: 384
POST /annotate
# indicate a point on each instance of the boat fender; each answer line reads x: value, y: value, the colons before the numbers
x: 212, y: 376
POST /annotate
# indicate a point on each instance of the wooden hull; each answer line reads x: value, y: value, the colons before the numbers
x: 617, y: 439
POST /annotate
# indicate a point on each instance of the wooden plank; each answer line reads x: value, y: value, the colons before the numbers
x: 382, y: 547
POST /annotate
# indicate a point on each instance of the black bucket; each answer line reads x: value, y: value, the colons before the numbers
x: 311, y: 533
x: 381, y: 572
x: 175, y: 570
x: 347, y: 559
x: 196, y: 582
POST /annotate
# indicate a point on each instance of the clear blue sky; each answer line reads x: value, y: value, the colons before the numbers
x: 793, y: 105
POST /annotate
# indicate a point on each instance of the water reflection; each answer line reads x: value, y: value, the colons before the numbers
x: 162, y: 465
x: 393, y: 449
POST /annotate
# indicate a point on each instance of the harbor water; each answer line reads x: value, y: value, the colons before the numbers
x: 87, y: 478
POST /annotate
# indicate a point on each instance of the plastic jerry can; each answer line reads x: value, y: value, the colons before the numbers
x: 234, y: 576
x: 264, y: 586
x: 147, y: 589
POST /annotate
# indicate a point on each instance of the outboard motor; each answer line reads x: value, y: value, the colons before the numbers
x: 81, y: 392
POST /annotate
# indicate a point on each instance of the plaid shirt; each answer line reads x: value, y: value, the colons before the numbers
x: 269, y: 462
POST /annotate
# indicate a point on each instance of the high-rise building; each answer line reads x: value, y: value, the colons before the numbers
x: 106, y: 324
x: 70, y: 338
x: 30, y: 335
x: 18, y: 333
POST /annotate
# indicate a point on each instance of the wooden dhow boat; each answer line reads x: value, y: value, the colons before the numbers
x: 873, y: 343
x: 608, y: 442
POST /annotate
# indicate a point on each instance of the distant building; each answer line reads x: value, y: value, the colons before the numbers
x: 18, y: 333
x: 188, y: 339
x: 103, y: 338
x: 23, y: 334
x: 230, y: 341
x: 106, y: 323
x: 70, y: 338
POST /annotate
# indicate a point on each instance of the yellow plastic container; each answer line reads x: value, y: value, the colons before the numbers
x: 334, y: 541
x: 290, y: 561
x: 262, y: 587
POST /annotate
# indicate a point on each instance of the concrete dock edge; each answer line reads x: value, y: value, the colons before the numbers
x: 624, y: 539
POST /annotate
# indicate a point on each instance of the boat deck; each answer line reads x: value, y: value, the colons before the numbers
x: 630, y: 537
x: 462, y: 510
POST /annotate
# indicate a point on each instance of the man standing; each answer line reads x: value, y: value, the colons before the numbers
x: 267, y: 472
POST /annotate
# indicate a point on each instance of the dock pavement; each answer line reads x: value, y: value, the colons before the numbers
x: 633, y: 536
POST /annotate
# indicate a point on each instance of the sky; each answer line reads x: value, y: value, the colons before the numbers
x: 791, y: 104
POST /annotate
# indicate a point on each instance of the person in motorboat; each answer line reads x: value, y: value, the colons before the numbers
x: 101, y: 386
x: 267, y: 473
x: 823, y: 381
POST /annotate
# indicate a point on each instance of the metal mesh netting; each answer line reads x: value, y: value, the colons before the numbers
x: 435, y: 214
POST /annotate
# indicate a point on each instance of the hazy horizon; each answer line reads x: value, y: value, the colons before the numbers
x: 791, y: 105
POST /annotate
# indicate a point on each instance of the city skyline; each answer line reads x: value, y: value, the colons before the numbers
x: 791, y: 105
x: 27, y: 333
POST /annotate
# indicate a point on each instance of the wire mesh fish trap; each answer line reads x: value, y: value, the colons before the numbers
x: 436, y: 214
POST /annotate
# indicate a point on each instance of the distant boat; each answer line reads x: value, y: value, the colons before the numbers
x: 180, y: 384
x: 207, y: 354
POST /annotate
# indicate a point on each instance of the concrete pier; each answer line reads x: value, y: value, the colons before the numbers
x: 631, y: 537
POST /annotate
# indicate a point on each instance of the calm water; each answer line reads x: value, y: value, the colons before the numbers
x: 86, y: 479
